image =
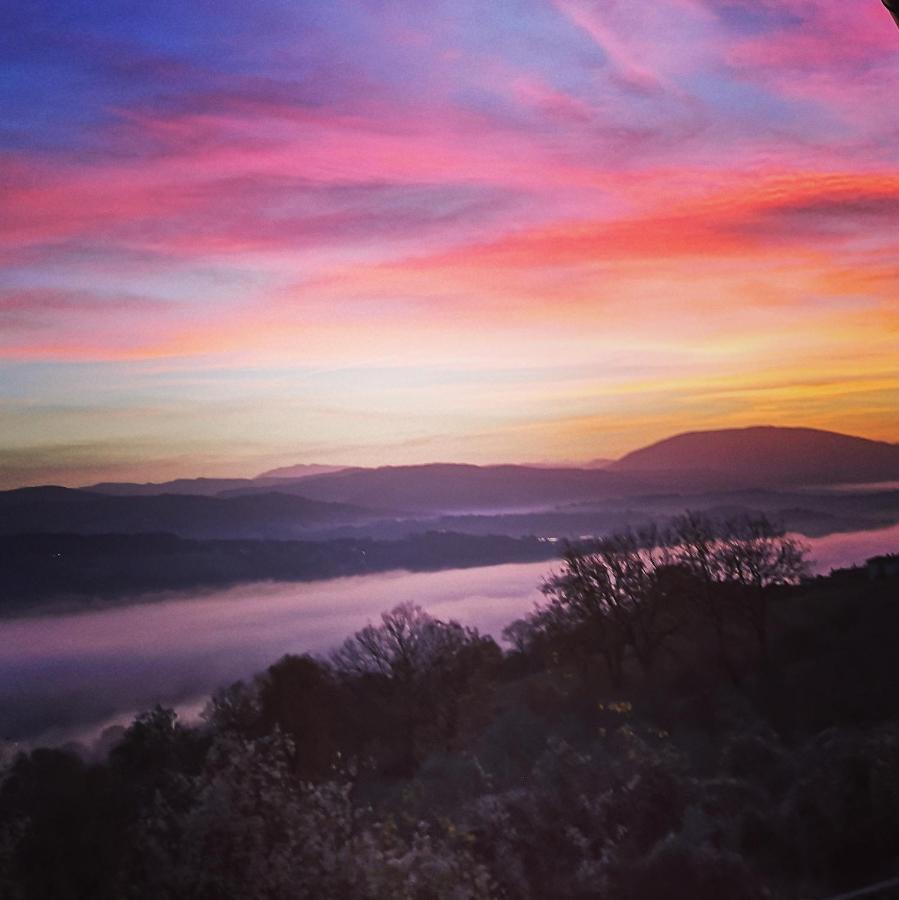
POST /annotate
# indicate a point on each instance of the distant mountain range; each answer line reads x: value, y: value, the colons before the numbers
x: 210, y: 487
x: 688, y: 469
x: 303, y: 470
x: 760, y: 456
x: 600, y: 463
x: 765, y: 455
x: 199, y: 487
x: 694, y: 462
x: 448, y: 487
x: 117, y: 539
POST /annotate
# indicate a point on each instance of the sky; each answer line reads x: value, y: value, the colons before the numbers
x: 241, y: 235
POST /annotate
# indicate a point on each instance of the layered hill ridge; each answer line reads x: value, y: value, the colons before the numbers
x: 261, y: 515
x: 758, y: 456
x: 457, y: 487
x: 723, y: 459
x: 197, y: 487
x: 690, y: 468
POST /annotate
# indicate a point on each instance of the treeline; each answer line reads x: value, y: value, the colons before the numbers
x: 633, y: 592
x: 78, y: 568
x: 685, y: 716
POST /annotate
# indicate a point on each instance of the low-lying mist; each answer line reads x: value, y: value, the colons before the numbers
x: 72, y: 671
x: 65, y: 676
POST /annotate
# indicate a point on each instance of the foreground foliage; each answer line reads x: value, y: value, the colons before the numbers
x: 683, y: 717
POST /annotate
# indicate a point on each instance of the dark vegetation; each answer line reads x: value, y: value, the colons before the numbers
x: 685, y: 716
x: 78, y: 569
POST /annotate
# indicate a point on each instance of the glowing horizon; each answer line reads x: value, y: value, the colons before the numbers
x: 368, y: 233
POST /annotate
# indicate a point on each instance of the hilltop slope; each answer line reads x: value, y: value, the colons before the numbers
x: 766, y: 455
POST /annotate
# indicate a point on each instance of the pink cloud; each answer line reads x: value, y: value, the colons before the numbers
x: 534, y: 92
x: 826, y: 34
x: 589, y: 18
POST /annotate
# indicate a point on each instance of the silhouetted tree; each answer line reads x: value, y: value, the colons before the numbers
x: 579, y: 619
x: 620, y: 594
x: 758, y: 555
x: 426, y: 669
x: 747, y: 555
x: 695, y: 539
x: 299, y: 695
x: 235, y: 710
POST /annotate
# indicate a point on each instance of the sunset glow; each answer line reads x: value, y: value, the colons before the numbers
x: 236, y: 236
